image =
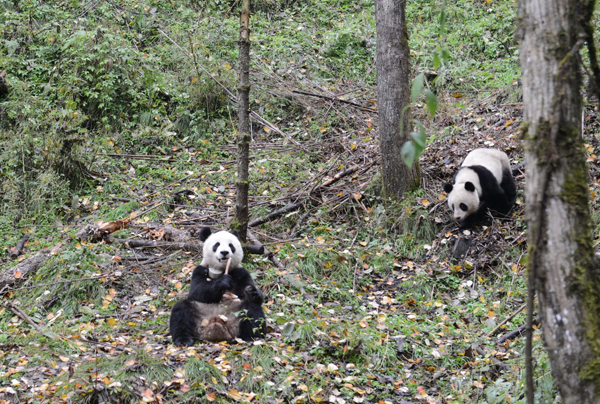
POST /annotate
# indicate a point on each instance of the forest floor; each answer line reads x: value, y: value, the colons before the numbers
x: 368, y: 300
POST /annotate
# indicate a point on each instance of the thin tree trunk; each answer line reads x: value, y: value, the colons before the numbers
x: 393, y: 94
x: 561, y: 268
x: 241, y: 208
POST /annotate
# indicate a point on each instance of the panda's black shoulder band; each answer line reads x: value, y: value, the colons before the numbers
x: 200, y: 271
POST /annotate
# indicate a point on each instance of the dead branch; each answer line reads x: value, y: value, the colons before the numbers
x: 23, y: 269
x: 276, y: 213
x: 99, y: 231
x: 131, y: 243
x: 506, y: 320
x: 341, y: 175
x: 266, y: 252
x: 315, y: 191
x: 326, y: 97
x: 496, y: 361
x: 139, y: 156
x: 15, y: 309
x: 518, y: 332
x: 18, y: 249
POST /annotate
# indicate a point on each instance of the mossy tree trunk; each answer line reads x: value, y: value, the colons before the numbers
x: 562, y: 268
x: 393, y: 94
x: 243, y: 155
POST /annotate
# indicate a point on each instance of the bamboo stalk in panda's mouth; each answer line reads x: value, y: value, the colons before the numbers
x: 227, y: 266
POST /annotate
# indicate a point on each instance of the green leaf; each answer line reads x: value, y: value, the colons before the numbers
x: 408, y: 153
x: 289, y: 329
x: 442, y: 21
x: 11, y: 47
x: 417, y: 87
x: 431, y: 102
x: 445, y: 55
x: 420, y: 138
x: 437, y: 63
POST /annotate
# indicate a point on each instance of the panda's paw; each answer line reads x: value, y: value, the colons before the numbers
x: 224, y: 282
x: 184, y: 341
x: 253, y: 294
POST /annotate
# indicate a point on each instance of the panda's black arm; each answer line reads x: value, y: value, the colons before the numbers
x: 205, y: 291
x: 241, y: 280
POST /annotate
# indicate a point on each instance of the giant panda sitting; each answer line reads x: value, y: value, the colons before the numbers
x: 220, y: 306
x: 484, y: 181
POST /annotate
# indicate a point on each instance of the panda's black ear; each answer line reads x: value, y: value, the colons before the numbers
x: 236, y: 234
x: 448, y: 188
x: 204, y: 233
x: 469, y: 186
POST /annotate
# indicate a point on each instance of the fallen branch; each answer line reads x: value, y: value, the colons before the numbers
x: 266, y: 252
x: 336, y: 99
x: 18, y: 249
x: 24, y: 268
x: 132, y: 243
x: 518, y: 332
x: 496, y: 361
x: 276, y: 213
x: 15, y: 309
x: 99, y: 231
x: 315, y: 191
x: 506, y: 320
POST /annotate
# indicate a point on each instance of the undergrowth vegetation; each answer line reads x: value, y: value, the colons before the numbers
x: 126, y: 107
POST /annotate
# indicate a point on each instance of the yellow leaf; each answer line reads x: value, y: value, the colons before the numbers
x: 227, y: 66
x: 233, y: 393
x: 194, y: 79
x: 211, y: 396
x: 425, y: 202
x: 352, y: 147
x: 111, y: 322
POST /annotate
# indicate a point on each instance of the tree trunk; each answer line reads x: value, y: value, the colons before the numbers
x: 562, y: 268
x: 393, y: 94
x: 241, y: 207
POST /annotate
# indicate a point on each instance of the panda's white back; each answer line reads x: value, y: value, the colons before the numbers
x: 492, y: 159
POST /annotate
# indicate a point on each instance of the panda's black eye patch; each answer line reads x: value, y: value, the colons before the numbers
x: 216, y: 246
x: 452, y: 206
x: 464, y: 207
x: 232, y: 248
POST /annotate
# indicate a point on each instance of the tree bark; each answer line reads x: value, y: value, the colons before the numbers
x: 393, y: 94
x: 242, y: 185
x: 562, y: 268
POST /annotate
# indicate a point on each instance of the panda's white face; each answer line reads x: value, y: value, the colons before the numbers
x: 462, y: 201
x: 217, y: 249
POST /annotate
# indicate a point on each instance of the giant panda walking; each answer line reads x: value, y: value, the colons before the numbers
x: 484, y: 181
x: 211, y: 312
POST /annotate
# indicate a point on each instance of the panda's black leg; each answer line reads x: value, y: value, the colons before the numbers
x: 183, y: 323
x: 252, y: 321
x: 509, y: 187
x: 253, y: 294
